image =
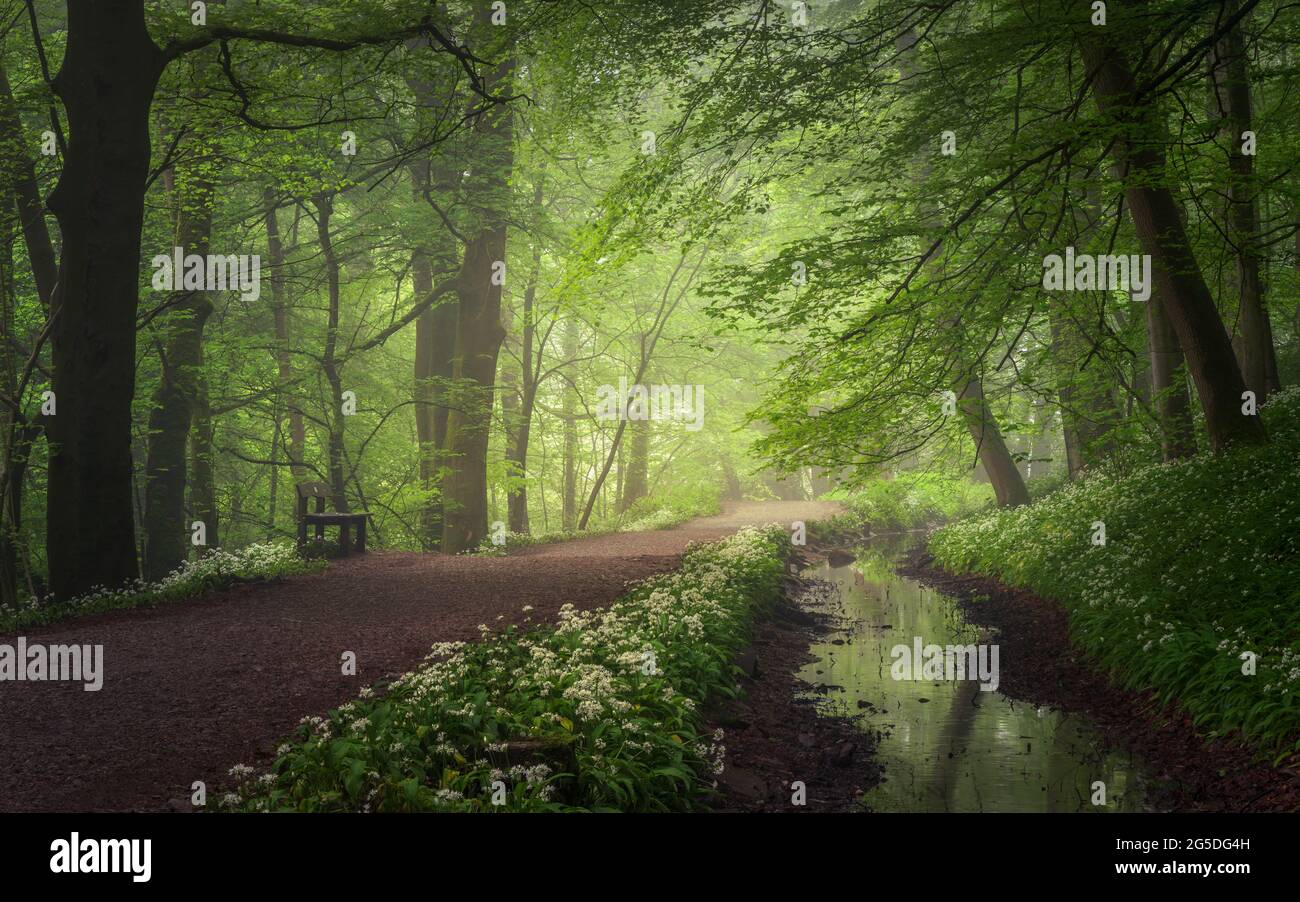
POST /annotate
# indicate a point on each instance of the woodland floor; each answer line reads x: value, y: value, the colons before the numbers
x: 1041, y: 666
x: 194, y: 687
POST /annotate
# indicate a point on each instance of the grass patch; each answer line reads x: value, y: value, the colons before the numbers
x: 1200, y: 568
x: 600, y: 712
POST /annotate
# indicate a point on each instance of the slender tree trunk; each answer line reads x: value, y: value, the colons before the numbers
x: 1169, y: 392
x: 19, y: 175
x: 1231, y: 80
x: 732, y: 479
x: 11, y: 513
x: 26, y: 213
x: 1177, y: 277
x: 510, y: 424
x: 1008, y: 484
x: 109, y: 73
x: 203, y: 484
x: 1066, y: 397
x: 166, y: 534
x: 288, y: 396
x: 1088, y: 410
x: 517, y: 449
x: 635, y: 482
x: 329, y: 361
x: 568, y: 413
x: 430, y: 510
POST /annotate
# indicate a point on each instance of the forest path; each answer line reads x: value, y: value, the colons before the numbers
x: 193, y: 687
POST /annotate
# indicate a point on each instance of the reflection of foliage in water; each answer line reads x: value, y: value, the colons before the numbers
x: 947, y: 746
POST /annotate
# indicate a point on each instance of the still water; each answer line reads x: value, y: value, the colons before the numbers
x: 945, y: 745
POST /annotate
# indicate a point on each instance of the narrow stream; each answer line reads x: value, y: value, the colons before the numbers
x: 945, y: 745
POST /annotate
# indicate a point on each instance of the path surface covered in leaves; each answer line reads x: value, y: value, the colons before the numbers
x: 193, y: 687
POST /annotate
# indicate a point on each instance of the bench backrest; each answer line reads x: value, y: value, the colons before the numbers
x: 318, y: 490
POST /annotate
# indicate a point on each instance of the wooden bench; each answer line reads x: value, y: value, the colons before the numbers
x: 320, y: 519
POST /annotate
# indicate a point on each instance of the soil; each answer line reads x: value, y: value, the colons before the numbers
x: 1039, y: 665
x: 774, y: 734
x: 192, y: 688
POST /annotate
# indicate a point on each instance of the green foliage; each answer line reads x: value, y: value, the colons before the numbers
x: 600, y: 712
x: 910, y: 501
x: 218, y: 569
x: 1201, y: 565
x: 655, y: 512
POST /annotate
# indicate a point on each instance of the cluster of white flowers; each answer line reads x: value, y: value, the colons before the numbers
x: 1199, y: 564
x: 603, y: 678
x: 216, y: 565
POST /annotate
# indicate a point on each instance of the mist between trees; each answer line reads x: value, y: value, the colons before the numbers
x: 832, y: 219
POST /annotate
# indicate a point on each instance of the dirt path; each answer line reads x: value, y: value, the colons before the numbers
x: 193, y: 687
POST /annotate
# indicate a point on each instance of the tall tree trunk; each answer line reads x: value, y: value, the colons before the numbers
x: 1088, y: 410
x: 288, y: 394
x: 329, y: 360
x: 19, y: 175
x: 517, y: 448
x: 635, y: 482
x: 1177, y: 277
x: 109, y: 73
x: 435, y: 328
x: 203, y: 484
x: 1066, y: 397
x: 11, y: 512
x: 1169, y: 392
x: 424, y: 388
x: 435, y: 348
x: 509, y: 380
x: 167, y: 535
x: 569, y: 414
x: 1254, y: 340
x: 478, y: 332
x: 1008, y: 484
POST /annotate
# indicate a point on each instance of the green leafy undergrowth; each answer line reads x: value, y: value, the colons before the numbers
x: 908, y: 501
x: 600, y: 711
x: 218, y: 569
x: 1198, y: 577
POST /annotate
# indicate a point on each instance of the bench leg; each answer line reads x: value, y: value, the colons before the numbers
x: 320, y: 532
x: 361, y: 536
x: 345, y: 539
x: 302, y: 535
